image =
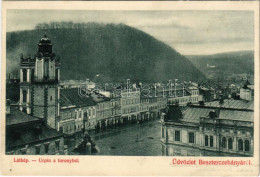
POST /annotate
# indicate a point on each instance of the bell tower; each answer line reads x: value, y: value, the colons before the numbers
x: 39, y: 83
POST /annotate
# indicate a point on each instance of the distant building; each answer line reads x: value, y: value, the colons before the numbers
x: 247, y: 91
x: 130, y: 105
x: 225, y: 129
x: 208, y: 94
x: 183, y: 95
x: 77, y: 83
x: 211, y: 66
x: 152, y: 107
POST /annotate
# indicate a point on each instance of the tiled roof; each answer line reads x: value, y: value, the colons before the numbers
x: 19, y: 137
x: 26, y: 133
x: 193, y: 114
x: 18, y: 117
x: 236, y: 104
x: 237, y: 115
x: 71, y: 97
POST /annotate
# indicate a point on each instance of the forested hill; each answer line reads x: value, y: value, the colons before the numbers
x: 225, y: 63
x: 114, y: 52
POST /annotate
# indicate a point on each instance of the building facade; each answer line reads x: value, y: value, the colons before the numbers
x: 39, y: 84
x: 209, y: 130
x: 130, y: 105
x: 78, y: 112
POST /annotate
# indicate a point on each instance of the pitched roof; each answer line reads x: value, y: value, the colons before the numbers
x: 237, y: 115
x: 22, y: 129
x: 236, y: 104
x: 19, y: 137
x: 18, y: 117
x: 193, y: 114
x: 71, y: 97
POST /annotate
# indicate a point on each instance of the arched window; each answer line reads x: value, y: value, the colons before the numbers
x: 240, y: 145
x: 211, y: 141
x: 85, y: 115
x: 206, y: 140
x: 224, y: 142
x: 230, y: 143
x: 247, y: 145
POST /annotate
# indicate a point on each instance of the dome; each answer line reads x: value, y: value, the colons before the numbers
x: 45, y: 46
x: 45, y: 40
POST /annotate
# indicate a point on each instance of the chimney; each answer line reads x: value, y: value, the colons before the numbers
x: 201, y: 103
x: 8, y: 102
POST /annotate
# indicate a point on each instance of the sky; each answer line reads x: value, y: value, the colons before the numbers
x: 188, y: 32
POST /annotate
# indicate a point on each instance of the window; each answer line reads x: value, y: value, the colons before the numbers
x: 191, y: 137
x: 162, y: 132
x: 247, y: 145
x: 177, y: 135
x: 211, y: 141
x: 24, y: 96
x: 46, y: 147
x: 50, y: 98
x: 57, y: 143
x: 240, y: 145
x: 230, y: 143
x: 224, y: 142
x: 32, y: 75
x: 56, y: 74
x: 206, y: 140
x: 79, y: 114
x: 37, y: 150
x: 24, y: 75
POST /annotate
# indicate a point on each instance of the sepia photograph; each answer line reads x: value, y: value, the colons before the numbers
x: 141, y: 83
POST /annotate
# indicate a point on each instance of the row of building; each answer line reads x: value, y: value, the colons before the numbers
x: 97, y: 112
x: 55, y: 110
x: 217, y: 128
x: 49, y: 112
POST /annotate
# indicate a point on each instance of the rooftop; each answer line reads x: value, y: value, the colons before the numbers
x: 193, y: 114
x: 230, y: 103
x: 22, y: 137
x: 71, y: 97
x: 18, y: 117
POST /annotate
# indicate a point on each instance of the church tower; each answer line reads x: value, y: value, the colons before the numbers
x: 39, y: 83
